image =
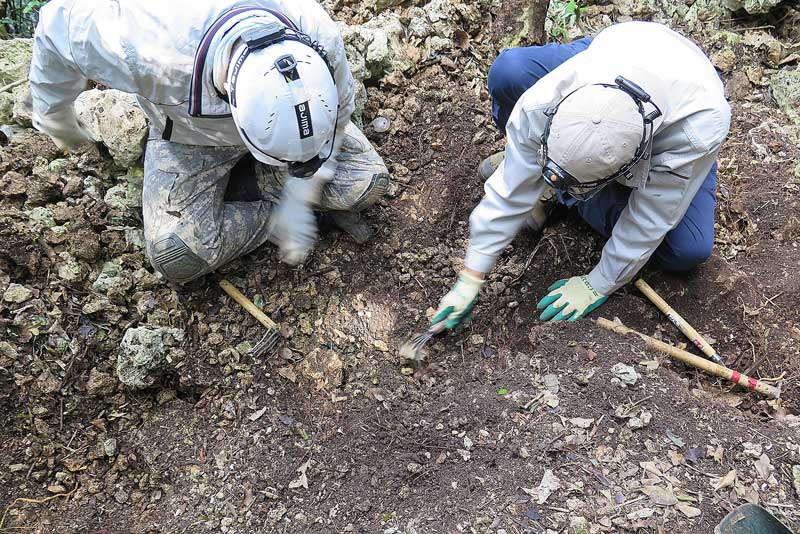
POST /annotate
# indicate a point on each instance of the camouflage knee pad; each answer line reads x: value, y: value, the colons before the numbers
x: 175, y: 260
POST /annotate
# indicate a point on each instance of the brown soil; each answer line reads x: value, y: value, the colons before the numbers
x: 448, y: 446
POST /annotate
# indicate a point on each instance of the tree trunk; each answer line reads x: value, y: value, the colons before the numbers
x: 538, y: 16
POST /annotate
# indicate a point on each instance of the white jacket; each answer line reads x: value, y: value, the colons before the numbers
x: 163, y: 52
x: 696, y: 117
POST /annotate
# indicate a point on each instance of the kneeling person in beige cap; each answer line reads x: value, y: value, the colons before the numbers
x: 626, y: 127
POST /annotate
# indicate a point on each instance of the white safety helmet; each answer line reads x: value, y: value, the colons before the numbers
x: 283, y: 99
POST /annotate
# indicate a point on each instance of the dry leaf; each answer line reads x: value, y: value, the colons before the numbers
x: 660, y: 496
x: 650, y: 365
x: 676, y: 458
x: 288, y: 373
x: 763, y: 466
x: 651, y: 467
x: 581, y: 422
x: 549, y: 484
x: 688, y: 511
x: 726, y: 481
x: 377, y: 394
x: 302, y: 480
x: 257, y: 415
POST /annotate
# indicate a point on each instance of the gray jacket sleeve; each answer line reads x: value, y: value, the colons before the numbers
x: 510, y: 193
x: 675, y: 178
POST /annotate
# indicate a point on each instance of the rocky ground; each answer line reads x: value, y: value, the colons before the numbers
x: 130, y: 405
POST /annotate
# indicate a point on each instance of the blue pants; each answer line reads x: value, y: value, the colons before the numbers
x: 689, y: 244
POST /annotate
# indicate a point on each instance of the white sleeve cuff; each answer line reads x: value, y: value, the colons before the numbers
x: 600, y: 283
x: 477, y: 261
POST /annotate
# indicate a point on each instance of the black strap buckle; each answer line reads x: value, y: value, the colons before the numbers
x: 286, y: 64
x: 271, y: 33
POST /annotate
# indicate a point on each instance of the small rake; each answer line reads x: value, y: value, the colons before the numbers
x: 415, y: 349
x: 271, y: 338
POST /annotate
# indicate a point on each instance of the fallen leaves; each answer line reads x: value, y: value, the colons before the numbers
x: 302, y: 480
x: 725, y: 481
x: 675, y: 439
x: 581, y: 422
x: 549, y: 485
x: 687, y: 510
x: 255, y: 416
x: 660, y: 496
x: 763, y: 466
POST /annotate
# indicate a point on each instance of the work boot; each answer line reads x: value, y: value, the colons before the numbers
x: 541, y: 210
x: 490, y: 164
x: 350, y: 223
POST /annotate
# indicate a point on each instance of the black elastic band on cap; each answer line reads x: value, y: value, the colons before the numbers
x: 564, y: 180
x: 269, y: 34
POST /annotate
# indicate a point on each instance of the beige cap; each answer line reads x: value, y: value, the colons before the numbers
x: 595, y: 132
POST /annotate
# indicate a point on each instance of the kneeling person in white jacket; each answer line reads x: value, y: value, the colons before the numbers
x: 626, y: 127
x: 219, y: 81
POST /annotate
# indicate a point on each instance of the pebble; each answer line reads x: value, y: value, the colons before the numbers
x: 17, y: 294
x: 110, y: 447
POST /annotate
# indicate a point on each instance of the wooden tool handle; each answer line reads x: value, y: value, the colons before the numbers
x: 247, y: 304
x: 674, y: 317
x: 695, y: 361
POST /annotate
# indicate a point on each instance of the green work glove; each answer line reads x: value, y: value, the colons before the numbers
x: 569, y: 300
x: 457, y: 305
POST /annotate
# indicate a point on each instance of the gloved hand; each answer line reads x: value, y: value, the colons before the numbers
x: 457, y: 304
x: 294, y: 226
x: 569, y: 300
x: 65, y: 129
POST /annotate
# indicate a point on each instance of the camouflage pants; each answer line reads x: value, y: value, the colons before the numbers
x: 195, y: 223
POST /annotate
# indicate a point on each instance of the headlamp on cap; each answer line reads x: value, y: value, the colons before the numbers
x: 562, y: 180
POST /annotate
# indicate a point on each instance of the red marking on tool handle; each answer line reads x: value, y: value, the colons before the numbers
x: 736, y: 376
x: 752, y: 383
x: 698, y: 343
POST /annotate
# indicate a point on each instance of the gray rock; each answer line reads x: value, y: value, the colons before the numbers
x: 135, y: 237
x: 17, y: 294
x: 785, y: 88
x: 110, y: 447
x: 93, y: 187
x: 22, y: 110
x: 107, y: 277
x: 41, y: 216
x: 15, y: 59
x: 68, y: 268
x: 752, y: 6
x: 6, y: 107
x: 126, y: 195
x: 371, y: 47
x: 144, y: 353
x: 100, y: 383
x: 115, y: 119
x: 15, y: 62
